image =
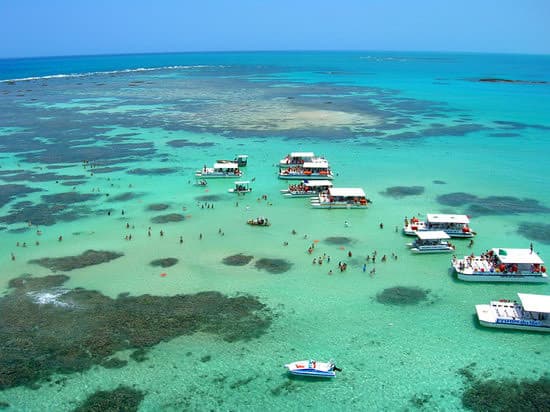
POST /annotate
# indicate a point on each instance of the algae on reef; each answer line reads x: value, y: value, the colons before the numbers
x: 46, y: 329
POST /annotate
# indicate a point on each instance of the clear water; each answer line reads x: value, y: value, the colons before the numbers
x: 382, y: 119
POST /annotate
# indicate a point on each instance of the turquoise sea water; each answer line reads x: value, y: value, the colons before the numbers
x: 116, y: 134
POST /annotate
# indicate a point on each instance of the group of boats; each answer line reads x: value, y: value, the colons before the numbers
x: 494, y: 265
x: 432, y: 236
x: 315, y: 178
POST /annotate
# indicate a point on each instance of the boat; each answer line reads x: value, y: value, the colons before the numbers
x: 241, y: 187
x: 319, y: 170
x: 299, y: 158
x: 313, y: 368
x: 241, y: 160
x: 200, y: 182
x: 341, y: 198
x: 259, y: 221
x: 532, y: 314
x: 224, y: 169
x: 502, y: 265
x: 453, y: 225
x: 431, y: 241
x: 307, y: 188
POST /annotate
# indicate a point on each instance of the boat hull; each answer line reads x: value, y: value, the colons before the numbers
x: 451, y: 233
x: 501, y: 277
x: 306, y: 177
x: 424, y: 250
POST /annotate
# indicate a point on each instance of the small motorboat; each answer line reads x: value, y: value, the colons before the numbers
x: 200, y: 182
x: 313, y: 368
x: 259, y: 221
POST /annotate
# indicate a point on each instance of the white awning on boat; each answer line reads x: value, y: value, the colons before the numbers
x: 443, y: 218
x: 432, y: 234
x: 535, y: 303
x: 316, y: 183
x: 301, y: 154
x: 243, y: 183
x: 226, y: 166
x: 508, y: 256
x: 315, y: 165
x: 346, y: 191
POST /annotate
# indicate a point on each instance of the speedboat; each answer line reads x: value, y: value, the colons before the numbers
x: 453, y: 225
x: 341, y: 198
x: 532, y: 314
x: 259, y: 221
x: 502, y: 265
x: 313, y: 368
x: 224, y: 169
x: 241, y: 187
x: 433, y: 241
x: 307, y: 188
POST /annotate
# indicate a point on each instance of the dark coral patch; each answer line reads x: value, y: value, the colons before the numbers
x: 86, y: 328
x: 156, y: 207
x: 401, y: 295
x: 274, y: 266
x: 68, y: 198
x: 121, y: 399
x: 88, y: 258
x: 338, y: 240
x: 25, y: 283
x: 124, y: 197
x: 171, y: 217
x: 505, y: 205
x: 508, y: 395
x: 237, y: 260
x: 153, y: 172
x: 164, y: 263
x: 398, y: 192
x: 45, y: 214
x: 187, y: 143
x: 209, y: 198
x: 539, y: 232
x: 12, y: 191
x: 456, y: 199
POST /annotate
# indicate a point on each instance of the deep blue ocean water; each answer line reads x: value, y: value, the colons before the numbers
x: 94, y: 149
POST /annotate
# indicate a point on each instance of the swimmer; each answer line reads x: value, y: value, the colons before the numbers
x: 181, y: 240
x: 161, y: 233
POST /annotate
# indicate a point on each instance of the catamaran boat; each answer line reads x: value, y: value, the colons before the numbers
x: 453, y: 225
x: 341, y: 198
x: 313, y: 368
x: 431, y: 241
x: 502, y: 265
x: 241, y: 187
x: 319, y: 170
x: 307, y: 188
x: 532, y: 314
x: 225, y: 169
x: 299, y: 158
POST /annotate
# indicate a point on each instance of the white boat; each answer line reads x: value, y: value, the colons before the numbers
x: 224, y: 169
x: 299, y: 158
x: 307, y: 188
x: 433, y: 241
x: 532, y: 314
x: 241, y: 187
x: 341, y: 198
x: 313, y: 368
x: 502, y: 265
x: 319, y: 170
x: 453, y: 225
x: 259, y: 221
